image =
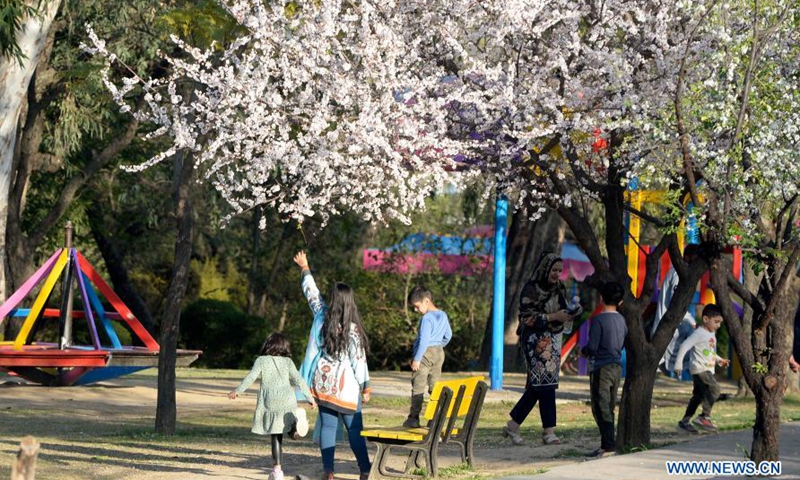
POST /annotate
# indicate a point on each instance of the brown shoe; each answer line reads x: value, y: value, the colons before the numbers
x: 364, y: 476
x: 327, y: 476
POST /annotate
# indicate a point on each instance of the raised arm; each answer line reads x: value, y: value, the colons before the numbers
x: 533, y: 317
x: 309, y: 286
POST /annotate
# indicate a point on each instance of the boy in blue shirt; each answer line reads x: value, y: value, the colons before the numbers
x: 433, y: 335
x: 604, y: 351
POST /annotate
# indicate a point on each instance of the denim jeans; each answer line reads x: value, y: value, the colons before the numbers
x: 329, y: 419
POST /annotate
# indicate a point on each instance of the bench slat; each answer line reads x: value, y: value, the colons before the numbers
x: 400, y: 433
x: 470, y: 382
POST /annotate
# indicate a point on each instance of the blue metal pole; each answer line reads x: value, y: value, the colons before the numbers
x: 692, y: 229
x: 499, y: 296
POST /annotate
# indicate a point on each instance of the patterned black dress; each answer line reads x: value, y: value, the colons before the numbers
x: 541, y: 341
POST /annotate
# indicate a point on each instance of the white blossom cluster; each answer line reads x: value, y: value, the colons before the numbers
x: 525, y: 72
x: 304, y: 113
x: 370, y: 105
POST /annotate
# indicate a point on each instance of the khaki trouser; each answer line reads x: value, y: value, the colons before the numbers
x: 429, y: 372
x: 604, y: 383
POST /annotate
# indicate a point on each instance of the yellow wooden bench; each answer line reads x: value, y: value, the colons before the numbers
x: 444, y: 411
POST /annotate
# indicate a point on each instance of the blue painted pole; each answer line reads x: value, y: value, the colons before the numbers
x: 499, y: 296
x: 692, y: 228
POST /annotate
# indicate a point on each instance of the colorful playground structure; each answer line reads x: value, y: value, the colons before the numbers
x: 62, y: 363
x: 637, y: 254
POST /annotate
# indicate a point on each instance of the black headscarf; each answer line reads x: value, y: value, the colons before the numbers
x: 539, y: 290
x: 541, y: 274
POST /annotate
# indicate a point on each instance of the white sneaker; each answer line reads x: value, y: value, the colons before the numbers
x: 276, y: 475
x: 301, y: 427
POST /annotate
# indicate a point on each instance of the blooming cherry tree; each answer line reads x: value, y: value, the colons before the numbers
x: 571, y: 103
x: 301, y: 113
x: 368, y: 106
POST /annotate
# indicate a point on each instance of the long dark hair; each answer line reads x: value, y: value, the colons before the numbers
x: 342, y: 311
x: 276, y: 345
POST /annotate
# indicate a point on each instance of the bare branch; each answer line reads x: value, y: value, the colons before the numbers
x: 97, y: 162
x: 684, y: 136
x: 752, y: 300
x: 788, y: 268
x: 651, y: 267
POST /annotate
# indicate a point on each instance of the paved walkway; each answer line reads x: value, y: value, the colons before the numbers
x: 651, y: 465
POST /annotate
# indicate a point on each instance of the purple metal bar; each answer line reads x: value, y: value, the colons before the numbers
x: 85, y: 299
x: 583, y: 340
x: 29, y: 284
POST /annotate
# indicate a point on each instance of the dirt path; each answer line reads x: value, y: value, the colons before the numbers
x: 104, y: 431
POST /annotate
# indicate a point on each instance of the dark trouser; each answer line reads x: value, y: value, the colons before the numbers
x: 353, y: 422
x: 705, y: 392
x: 429, y: 372
x: 547, y: 406
x: 604, y: 383
x: 277, y: 439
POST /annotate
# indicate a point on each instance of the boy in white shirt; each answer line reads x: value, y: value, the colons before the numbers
x: 703, y: 345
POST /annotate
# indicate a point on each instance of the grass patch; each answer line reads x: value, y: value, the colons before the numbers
x: 571, y: 453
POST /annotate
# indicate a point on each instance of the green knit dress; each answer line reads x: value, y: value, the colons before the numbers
x: 276, y: 405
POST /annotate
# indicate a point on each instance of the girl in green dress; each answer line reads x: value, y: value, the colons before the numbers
x: 276, y: 409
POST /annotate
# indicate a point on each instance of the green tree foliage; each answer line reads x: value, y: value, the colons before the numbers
x: 336, y: 256
x: 12, y: 13
x: 228, y: 337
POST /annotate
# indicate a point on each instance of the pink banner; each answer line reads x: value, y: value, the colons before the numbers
x: 423, y: 262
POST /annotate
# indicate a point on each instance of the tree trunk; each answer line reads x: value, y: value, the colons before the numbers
x: 166, y: 413
x: 14, y: 80
x: 116, y: 268
x: 253, y: 287
x: 751, y: 282
x: 633, y: 423
x: 765, y: 349
x: 526, y: 241
x: 766, y: 430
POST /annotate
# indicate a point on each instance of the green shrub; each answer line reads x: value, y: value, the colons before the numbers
x: 228, y: 337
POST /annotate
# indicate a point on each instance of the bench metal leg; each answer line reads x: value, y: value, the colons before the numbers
x: 467, y: 450
x: 433, y: 464
x: 410, y: 461
x: 379, y: 463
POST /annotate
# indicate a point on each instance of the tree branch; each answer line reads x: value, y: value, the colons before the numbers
x: 788, y: 268
x: 683, y: 134
x: 644, y: 216
x: 720, y: 284
x: 97, y: 162
x: 752, y: 300
x: 651, y: 268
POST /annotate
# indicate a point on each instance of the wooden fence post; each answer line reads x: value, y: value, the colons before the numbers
x: 24, y: 467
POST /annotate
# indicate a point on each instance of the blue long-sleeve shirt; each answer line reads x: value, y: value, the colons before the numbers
x: 434, y: 331
x: 606, y: 339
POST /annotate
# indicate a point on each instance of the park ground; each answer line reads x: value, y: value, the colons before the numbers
x: 105, y: 431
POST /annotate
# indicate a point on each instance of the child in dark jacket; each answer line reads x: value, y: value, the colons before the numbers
x: 604, y: 350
